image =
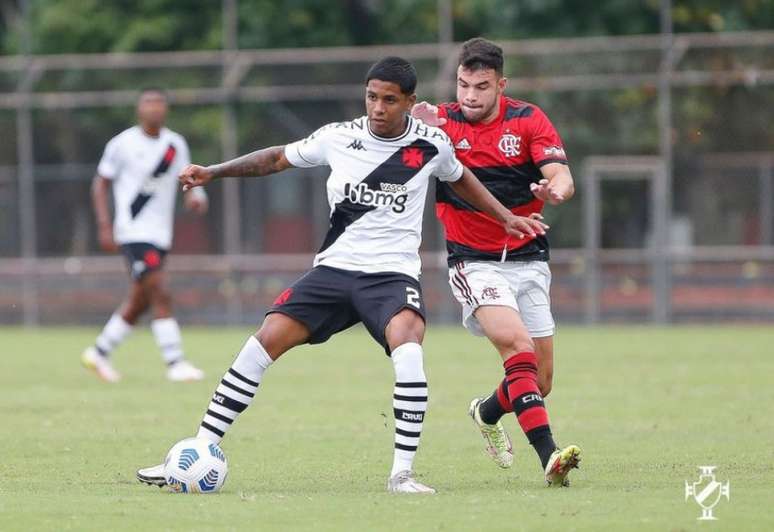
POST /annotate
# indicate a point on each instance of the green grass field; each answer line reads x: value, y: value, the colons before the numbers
x: 646, y: 405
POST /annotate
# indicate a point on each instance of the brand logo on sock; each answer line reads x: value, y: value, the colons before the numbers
x: 707, y: 492
x: 218, y: 398
x: 410, y: 416
x: 528, y: 398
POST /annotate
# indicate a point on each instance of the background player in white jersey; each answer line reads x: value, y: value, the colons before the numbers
x: 141, y: 165
x: 367, y: 269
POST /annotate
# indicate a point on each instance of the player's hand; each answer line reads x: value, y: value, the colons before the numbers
x: 105, y: 237
x: 427, y: 113
x: 194, y: 175
x: 525, y: 226
x: 549, y: 192
x: 196, y: 204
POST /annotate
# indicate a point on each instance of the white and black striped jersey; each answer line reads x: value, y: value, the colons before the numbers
x: 144, y: 170
x: 376, y: 191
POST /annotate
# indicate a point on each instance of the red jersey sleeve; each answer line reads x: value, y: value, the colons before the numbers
x: 545, y: 145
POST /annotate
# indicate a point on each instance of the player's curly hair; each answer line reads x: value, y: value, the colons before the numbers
x: 481, y: 54
x: 394, y: 70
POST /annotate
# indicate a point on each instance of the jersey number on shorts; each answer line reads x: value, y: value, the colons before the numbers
x: 412, y: 297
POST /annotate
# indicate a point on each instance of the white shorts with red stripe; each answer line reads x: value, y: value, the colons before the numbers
x: 522, y: 286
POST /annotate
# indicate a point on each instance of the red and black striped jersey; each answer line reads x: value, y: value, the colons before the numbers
x: 506, y: 155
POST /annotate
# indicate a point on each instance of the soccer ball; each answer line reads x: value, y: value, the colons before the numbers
x: 195, y: 465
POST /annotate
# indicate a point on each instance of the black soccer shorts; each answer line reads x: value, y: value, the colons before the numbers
x: 329, y: 300
x: 143, y: 258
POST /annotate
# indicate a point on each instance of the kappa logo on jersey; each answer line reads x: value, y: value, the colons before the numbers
x: 413, y: 157
x: 357, y: 145
x: 510, y: 145
x: 391, y: 195
x: 462, y: 145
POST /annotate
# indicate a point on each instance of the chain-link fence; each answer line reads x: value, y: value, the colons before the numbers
x: 686, y: 237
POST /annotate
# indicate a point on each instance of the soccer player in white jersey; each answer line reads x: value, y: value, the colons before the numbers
x: 367, y: 269
x: 141, y: 165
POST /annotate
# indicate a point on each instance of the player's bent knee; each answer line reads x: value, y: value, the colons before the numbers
x: 279, y: 333
x: 407, y: 326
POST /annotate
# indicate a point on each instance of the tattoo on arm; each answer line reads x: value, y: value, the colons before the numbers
x: 255, y: 164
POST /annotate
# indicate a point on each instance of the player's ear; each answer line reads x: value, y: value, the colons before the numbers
x: 412, y: 99
x: 502, y: 83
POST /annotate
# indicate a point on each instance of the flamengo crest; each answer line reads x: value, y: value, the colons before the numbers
x: 510, y: 145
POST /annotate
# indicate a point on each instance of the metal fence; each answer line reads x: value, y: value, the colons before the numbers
x: 669, y: 136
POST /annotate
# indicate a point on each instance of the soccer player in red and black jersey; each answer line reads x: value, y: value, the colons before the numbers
x: 501, y: 281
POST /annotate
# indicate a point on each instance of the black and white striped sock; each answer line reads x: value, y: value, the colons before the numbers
x: 235, y: 391
x: 409, y: 404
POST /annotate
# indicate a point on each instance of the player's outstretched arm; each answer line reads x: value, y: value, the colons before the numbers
x: 557, y: 185
x: 255, y: 164
x: 470, y: 189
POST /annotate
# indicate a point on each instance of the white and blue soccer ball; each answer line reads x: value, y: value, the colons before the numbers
x: 195, y: 465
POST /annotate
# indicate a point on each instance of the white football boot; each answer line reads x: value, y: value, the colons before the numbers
x: 91, y: 359
x: 404, y: 482
x: 560, y: 464
x: 184, y: 371
x: 498, y: 443
x: 153, y: 476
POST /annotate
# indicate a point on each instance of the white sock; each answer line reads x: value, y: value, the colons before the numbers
x: 115, y: 331
x: 409, y: 404
x: 235, y: 391
x: 166, y: 331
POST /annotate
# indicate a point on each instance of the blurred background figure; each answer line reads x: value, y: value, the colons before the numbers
x: 141, y: 165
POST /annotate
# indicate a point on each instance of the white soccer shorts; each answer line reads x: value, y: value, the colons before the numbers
x: 522, y: 286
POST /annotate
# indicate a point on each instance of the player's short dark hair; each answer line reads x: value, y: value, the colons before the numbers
x: 481, y: 54
x: 153, y: 90
x: 394, y: 70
